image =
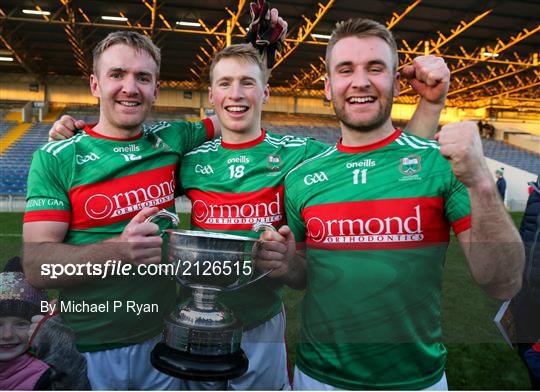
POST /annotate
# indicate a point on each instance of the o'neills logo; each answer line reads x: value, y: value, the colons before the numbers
x: 387, y: 229
x: 114, y: 200
x: 130, y: 148
x: 378, y: 224
x: 236, y: 211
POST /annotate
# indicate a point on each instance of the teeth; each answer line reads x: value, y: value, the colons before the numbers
x: 130, y: 104
x: 361, y: 100
x: 237, y: 108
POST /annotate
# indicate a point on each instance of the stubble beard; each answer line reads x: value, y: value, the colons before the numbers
x: 364, y: 126
x: 129, y: 124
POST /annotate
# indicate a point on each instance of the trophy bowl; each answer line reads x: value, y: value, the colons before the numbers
x: 201, y: 337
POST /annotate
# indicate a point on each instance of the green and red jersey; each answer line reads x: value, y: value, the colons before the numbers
x: 233, y: 186
x: 376, y: 222
x: 97, y: 185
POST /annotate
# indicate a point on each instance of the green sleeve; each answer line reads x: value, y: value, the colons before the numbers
x: 47, y: 197
x: 314, y: 147
x: 293, y: 211
x: 183, y: 136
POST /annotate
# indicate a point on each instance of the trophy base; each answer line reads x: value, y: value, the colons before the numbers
x: 198, y: 367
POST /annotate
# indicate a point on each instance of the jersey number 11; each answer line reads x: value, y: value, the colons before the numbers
x: 355, y: 176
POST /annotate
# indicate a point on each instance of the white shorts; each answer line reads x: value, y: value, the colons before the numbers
x: 267, y: 354
x: 303, y: 382
x: 127, y: 368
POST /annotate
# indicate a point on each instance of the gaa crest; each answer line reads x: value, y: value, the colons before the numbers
x: 274, y: 163
x: 410, y: 165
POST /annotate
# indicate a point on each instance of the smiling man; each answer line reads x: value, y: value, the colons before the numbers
x: 87, y: 201
x: 237, y: 180
x: 374, y: 213
x: 234, y: 182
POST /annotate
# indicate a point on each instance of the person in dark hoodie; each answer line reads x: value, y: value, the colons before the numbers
x: 526, y: 305
x: 43, y: 359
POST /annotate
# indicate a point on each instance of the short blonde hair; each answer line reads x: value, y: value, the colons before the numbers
x: 137, y: 41
x: 359, y: 27
x: 244, y: 52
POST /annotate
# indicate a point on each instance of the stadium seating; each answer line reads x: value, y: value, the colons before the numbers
x: 15, y: 162
x: 6, y: 126
x: 493, y: 149
x: 511, y: 155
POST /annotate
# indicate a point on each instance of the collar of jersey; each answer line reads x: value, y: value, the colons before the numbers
x: 240, y: 146
x: 88, y: 129
x: 369, y: 147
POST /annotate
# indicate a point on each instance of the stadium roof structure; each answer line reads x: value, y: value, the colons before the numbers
x: 491, y: 46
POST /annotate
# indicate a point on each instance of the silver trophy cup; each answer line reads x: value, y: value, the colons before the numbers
x: 201, y: 338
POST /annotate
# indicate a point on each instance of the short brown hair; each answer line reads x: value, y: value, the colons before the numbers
x: 245, y: 52
x: 137, y: 41
x: 360, y: 28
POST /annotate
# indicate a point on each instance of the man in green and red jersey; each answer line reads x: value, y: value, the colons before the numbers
x: 374, y: 214
x: 237, y: 180
x: 87, y: 201
x: 271, y: 158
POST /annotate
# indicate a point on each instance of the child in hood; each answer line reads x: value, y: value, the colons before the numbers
x: 47, y: 360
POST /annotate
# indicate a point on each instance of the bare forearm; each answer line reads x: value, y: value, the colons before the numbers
x: 43, y: 260
x: 425, y: 120
x: 496, y: 253
x: 296, y: 277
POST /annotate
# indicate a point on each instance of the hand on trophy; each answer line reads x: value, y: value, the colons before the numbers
x: 139, y: 243
x: 275, y: 249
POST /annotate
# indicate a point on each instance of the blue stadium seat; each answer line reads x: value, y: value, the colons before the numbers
x: 511, y: 155
x: 15, y: 162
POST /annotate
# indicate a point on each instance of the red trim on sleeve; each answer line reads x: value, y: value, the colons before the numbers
x: 210, y: 131
x: 536, y: 347
x: 47, y: 215
x: 462, y: 224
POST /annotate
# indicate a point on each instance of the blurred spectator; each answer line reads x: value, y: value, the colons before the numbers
x: 485, y: 129
x: 489, y: 131
x: 501, y: 183
x: 526, y: 305
x: 531, y: 185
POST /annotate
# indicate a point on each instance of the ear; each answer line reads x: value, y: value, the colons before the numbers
x: 94, y: 86
x: 396, y: 84
x: 210, y: 95
x: 327, y: 88
x: 156, y: 92
x: 266, y: 93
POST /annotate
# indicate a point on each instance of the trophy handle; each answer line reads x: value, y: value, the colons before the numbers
x: 257, y: 226
x: 164, y: 214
